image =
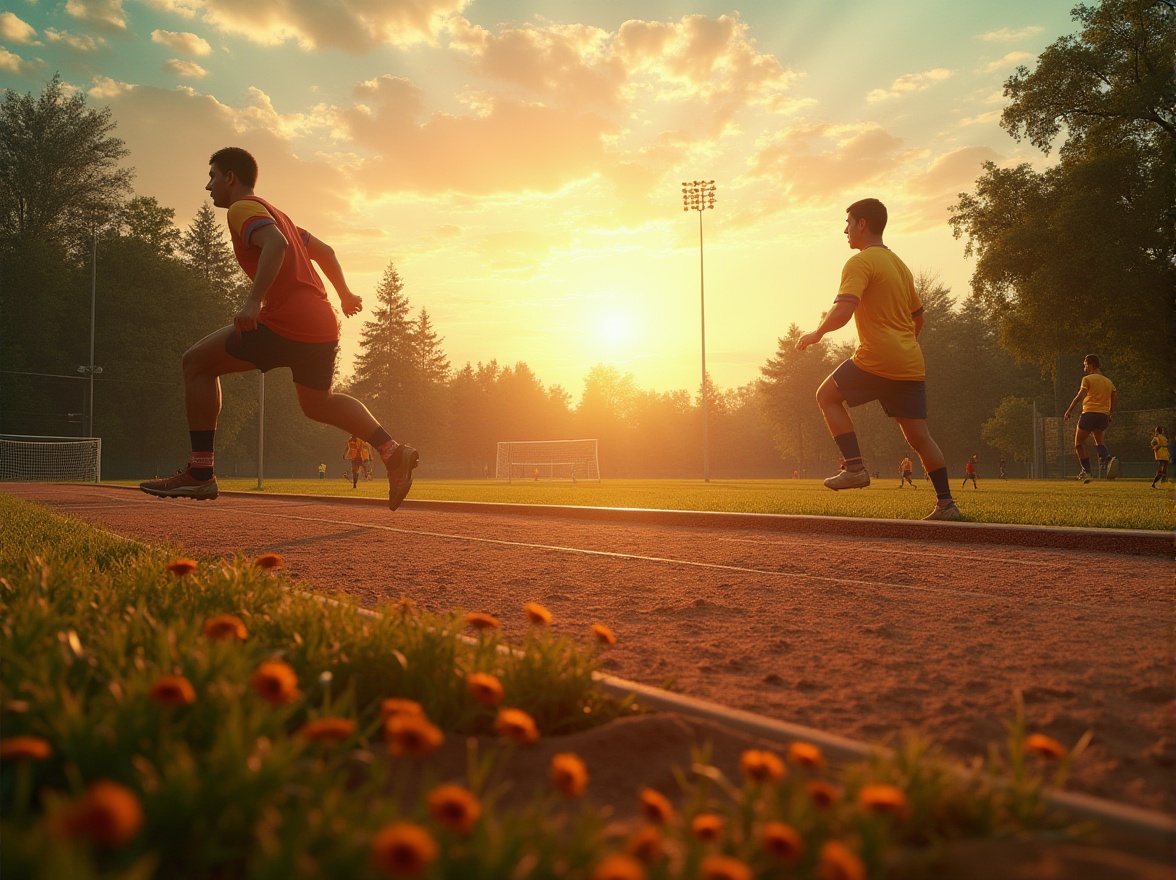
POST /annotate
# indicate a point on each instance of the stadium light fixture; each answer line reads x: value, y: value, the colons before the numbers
x: 699, y: 195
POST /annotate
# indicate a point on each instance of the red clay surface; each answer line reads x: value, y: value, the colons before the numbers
x: 856, y: 635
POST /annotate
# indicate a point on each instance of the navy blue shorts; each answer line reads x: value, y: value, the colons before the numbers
x: 312, y: 363
x: 1093, y: 421
x: 900, y: 398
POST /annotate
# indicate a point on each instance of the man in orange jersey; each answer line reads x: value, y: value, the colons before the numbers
x: 878, y: 291
x: 286, y: 321
x: 908, y: 473
x: 1098, y: 397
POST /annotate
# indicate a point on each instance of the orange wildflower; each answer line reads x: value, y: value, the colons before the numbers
x: 275, y: 682
x: 328, y: 730
x: 108, y: 814
x: 485, y: 688
x: 603, y: 634
x: 225, y: 626
x: 618, y: 867
x: 568, y: 774
x: 454, y: 807
x: 838, y: 862
x: 806, y: 755
x: 403, y: 849
x: 724, y: 868
x: 761, y: 766
x: 656, y: 807
x: 1045, y: 746
x: 393, y: 706
x: 537, y: 614
x: 516, y: 725
x: 823, y: 794
x: 269, y: 561
x: 883, y: 799
x: 781, y: 841
x: 646, y: 845
x: 481, y: 621
x: 707, y: 827
x: 24, y: 748
x: 172, y: 690
x: 412, y: 735
x: 182, y: 567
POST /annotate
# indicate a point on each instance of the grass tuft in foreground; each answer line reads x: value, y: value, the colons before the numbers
x: 179, y: 718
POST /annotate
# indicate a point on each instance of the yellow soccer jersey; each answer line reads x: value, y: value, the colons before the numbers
x: 1159, y: 445
x: 884, y: 291
x: 1098, y: 393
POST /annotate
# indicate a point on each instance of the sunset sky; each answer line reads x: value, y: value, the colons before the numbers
x: 521, y: 162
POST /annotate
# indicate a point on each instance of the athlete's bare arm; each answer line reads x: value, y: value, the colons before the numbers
x: 1073, y: 403
x: 323, y: 254
x: 836, y: 318
x: 273, y: 251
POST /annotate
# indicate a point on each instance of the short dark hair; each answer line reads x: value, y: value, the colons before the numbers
x: 238, y: 161
x: 1093, y: 360
x: 870, y: 210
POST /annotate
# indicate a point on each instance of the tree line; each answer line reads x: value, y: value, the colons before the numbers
x: 1075, y: 259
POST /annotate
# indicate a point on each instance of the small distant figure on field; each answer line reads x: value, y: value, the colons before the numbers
x: 286, y: 320
x: 1159, y: 445
x: 365, y: 454
x: 908, y: 473
x: 535, y: 474
x: 970, y: 472
x: 322, y: 470
x: 1098, y: 397
x: 354, y: 454
x: 795, y: 474
x: 1000, y: 465
x: 878, y: 291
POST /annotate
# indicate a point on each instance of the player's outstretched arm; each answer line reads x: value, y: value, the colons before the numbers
x: 836, y: 318
x: 1073, y: 403
x: 323, y: 254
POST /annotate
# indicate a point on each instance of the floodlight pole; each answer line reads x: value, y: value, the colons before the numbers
x: 88, y: 423
x: 699, y: 195
x: 260, y: 428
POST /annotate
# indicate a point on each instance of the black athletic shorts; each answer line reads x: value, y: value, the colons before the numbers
x: 1094, y: 421
x: 900, y: 398
x: 312, y: 363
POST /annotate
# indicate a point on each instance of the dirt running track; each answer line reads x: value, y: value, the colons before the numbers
x: 858, y: 636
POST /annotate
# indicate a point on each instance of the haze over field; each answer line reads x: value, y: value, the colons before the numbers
x: 522, y: 163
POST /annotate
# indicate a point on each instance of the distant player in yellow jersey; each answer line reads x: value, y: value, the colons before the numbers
x: 878, y: 291
x: 908, y: 473
x: 1098, y: 398
x: 1159, y: 445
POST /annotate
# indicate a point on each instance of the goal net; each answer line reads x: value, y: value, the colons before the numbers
x: 50, y: 459
x: 547, y: 460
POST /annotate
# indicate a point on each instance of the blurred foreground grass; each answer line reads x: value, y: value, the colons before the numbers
x: 1118, y: 504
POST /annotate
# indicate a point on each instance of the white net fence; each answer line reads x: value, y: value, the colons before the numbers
x: 572, y: 460
x: 50, y: 459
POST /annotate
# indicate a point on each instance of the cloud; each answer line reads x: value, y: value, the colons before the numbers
x: 982, y: 119
x: 511, y: 147
x: 183, y: 43
x: 814, y: 162
x: 105, y: 88
x: 16, y: 30
x: 1007, y: 35
x: 106, y: 14
x: 909, y: 84
x: 931, y: 187
x: 351, y: 25
x: 77, y: 42
x: 12, y: 63
x: 1009, y: 60
x: 187, y: 69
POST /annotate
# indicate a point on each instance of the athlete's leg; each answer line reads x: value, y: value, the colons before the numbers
x: 204, y: 363
x: 919, y: 438
x: 338, y: 410
x: 833, y: 408
x: 1080, y: 435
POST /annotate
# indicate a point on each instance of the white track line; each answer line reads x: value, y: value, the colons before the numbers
x: 962, y: 552
x: 1020, y: 600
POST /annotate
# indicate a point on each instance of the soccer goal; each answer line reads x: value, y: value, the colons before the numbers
x: 547, y: 460
x: 28, y: 459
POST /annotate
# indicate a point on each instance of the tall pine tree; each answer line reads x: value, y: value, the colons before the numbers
x: 385, y: 366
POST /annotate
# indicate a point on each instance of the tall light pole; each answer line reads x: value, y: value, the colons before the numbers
x: 90, y: 368
x: 699, y: 195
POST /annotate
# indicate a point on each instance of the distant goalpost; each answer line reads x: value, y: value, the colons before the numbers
x: 35, y: 459
x: 572, y: 460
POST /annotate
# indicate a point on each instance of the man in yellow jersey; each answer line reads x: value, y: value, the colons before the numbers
x: 1159, y: 445
x: 285, y: 321
x: 878, y: 292
x: 908, y: 472
x: 1098, y: 398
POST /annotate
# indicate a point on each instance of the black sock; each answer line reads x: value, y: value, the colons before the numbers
x: 939, y: 481
x: 202, y: 442
x: 1086, y: 465
x: 848, y: 444
x: 379, y: 438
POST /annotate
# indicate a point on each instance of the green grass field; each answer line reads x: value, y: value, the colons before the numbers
x: 1121, y: 504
